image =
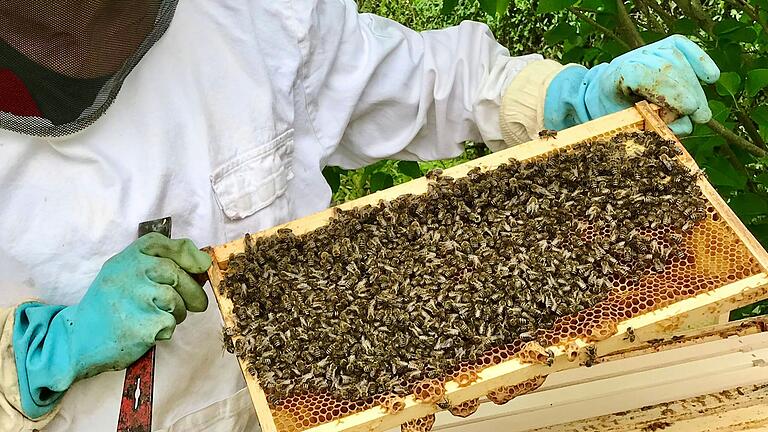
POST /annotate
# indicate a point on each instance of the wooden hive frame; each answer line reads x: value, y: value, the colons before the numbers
x: 683, y: 316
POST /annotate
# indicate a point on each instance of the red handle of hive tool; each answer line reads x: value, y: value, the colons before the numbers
x: 136, y: 401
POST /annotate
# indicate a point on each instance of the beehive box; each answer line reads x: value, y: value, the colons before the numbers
x: 724, y: 267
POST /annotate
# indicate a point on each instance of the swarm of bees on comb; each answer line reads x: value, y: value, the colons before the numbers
x: 390, y: 295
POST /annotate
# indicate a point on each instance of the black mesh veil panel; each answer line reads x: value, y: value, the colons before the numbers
x: 72, y: 56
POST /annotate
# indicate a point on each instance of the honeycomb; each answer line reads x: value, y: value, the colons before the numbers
x: 502, y: 395
x: 572, y: 351
x: 429, y: 391
x: 465, y: 409
x: 423, y: 424
x: 711, y: 255
x: 392, y: 404
x: 534, y: 353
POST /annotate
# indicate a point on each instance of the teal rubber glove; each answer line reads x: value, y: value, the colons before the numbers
x: 138, y: 297
x: 666, y: 73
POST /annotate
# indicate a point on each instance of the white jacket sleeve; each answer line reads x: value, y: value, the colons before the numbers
x: 12, y: 418
x: 376, y: 89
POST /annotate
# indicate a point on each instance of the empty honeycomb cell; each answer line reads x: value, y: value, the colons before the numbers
x: 572, y: 351
x: 466, y: 377
x: 423, y: 424
x: 533, y: 352
x: 393, y: 404
x: 429, y: 391
x: 465, y: 409
x: 601, y: 330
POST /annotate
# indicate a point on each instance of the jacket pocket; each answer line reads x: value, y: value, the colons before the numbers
x: 255, y: 179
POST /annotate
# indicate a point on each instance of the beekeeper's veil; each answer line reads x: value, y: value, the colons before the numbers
x: 62, y: 62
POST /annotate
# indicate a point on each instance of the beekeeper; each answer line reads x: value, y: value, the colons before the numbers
x: 222, y: 114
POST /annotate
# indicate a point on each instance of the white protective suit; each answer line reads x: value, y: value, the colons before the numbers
x: 225, y: 125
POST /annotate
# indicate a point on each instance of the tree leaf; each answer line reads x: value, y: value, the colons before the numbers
x: 599, y: 5
x: 748, y: 205
x: 380, y: 181
x: 762, y: 179
x: 727, y: 25
x: 735, y: 31
x: 761, y: 232
x: 371, y: 169
x: 720, y: 111
x: 651, y: 37
x: 749, y: 311
x: 559, y: 33
x: 333, y: 177
x: 591, y: 54
x: 757, y: 80
x: 548, y: 6
x: 409, y: 168
x: 686, y: 26
x: 721, y: 173
x: 746, y: 34
x: 702, y: 143
x: 760, y: 115
x: 613, y: 48
x: 727, y: 56
x: 574, y: 55
x: 502, y: 6
x: 488, y: 6
x: 729, y: 84
x: 448, y: 6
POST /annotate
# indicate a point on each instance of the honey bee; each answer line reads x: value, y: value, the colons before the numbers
x: 550, y: 357
x: 547, y: 134
x: 630, y: 335
x: 591, y: 356
x: 386, y: 295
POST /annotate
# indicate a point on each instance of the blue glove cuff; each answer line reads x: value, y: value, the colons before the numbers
x: 564, y: 105
x: 42, y: 358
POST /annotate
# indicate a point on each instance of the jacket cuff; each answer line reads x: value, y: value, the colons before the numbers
x: 12, y: 417
x: 522, y: 107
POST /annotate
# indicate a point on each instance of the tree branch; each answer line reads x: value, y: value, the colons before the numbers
x: 736, y: 140
x: 695, y: 10
x: 665, y: 16
x: 751, y: 11
x: 749, y: 126
x: 733, y: 159
x: 635, y: 40
x: 652, y: 20
x: 600, y: 27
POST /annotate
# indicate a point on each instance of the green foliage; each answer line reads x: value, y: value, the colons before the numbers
x: 547, y: 6
x: 757, y: 80
x: 757, y: 309
x: 351, y: 184
x: 729, y: 84
x: 514, y: 23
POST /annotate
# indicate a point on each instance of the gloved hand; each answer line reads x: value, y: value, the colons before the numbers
x: 138, y: 297
x: 666, y: 73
